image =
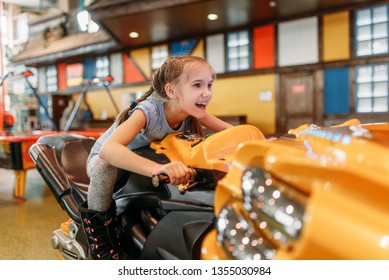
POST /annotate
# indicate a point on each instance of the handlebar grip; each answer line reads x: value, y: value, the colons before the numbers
x: 159, y: 178
x: 163, y: 178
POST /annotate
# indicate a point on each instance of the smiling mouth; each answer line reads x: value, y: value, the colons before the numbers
x: 201, y: 105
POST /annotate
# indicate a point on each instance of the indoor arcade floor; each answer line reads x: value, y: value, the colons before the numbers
x: 26, y: 228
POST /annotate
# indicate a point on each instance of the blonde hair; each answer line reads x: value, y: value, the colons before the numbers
x: 170, y: 72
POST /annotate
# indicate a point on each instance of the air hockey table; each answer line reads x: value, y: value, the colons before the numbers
x: 14, y: 156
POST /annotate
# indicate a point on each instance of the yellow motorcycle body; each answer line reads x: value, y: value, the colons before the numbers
x: 214, y: 152
x: 318, y: 193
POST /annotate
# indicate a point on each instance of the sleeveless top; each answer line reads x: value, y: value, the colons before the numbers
x: 156, y: 127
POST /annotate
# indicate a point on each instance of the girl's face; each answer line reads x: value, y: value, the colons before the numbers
x: 194, y: 89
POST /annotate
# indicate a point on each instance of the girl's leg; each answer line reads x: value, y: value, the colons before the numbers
x: 102, y: 182
x: 98, y: 215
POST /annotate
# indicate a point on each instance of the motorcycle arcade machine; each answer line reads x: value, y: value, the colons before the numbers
x: 156, y: 219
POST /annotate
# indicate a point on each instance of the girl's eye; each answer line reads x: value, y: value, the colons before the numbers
x: 210, y: 85
x: 197, y: 85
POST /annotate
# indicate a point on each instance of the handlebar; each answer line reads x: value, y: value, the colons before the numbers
x: 156, y: 180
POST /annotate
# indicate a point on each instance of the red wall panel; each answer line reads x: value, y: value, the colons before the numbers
x: 263, y: 44
x: 62, y: 79
x: 131, y: 72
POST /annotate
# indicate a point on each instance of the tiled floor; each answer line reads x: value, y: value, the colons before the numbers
x: 26, y: 228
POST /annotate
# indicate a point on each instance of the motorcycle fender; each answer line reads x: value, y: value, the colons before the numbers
x: 178, y: 236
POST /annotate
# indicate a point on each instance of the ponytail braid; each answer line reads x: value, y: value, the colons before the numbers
x: 123, y: 116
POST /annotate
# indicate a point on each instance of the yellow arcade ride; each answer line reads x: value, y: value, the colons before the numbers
x: 319, y: 193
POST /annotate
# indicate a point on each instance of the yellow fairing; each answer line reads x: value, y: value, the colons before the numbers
x: 215, y: 152
x: 339, y: 177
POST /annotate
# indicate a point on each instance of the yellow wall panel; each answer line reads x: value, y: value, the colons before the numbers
x: 99, y: 100
x: 142, y: 60
x: 199, y: 49
x: 240, y: 96
x: 336, y: 36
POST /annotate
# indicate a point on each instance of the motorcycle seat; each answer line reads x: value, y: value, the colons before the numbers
x: 74, y: 158
x: 71, y: 153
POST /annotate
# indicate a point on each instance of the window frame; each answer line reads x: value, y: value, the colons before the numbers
x: 51, y: 77
x: 370, y: 26
x: 105, y: 70
x: 239, y: 57
x: 156, y: 58
x: 372, y: 83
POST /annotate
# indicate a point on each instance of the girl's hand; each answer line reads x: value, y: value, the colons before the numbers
x: 178, y: 173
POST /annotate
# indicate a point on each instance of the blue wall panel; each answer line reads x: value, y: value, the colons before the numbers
x: 90, y: 68
x: 183, y: 47
x: 336, y: 91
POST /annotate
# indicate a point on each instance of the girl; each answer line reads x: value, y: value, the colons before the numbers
x: 176, y: 102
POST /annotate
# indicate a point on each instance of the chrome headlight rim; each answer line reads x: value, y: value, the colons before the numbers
x: 279, y: 207
x: 238, y: 236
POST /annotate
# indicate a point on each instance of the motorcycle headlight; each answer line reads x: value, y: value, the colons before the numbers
x: 273, y: 206
x: 271, y: 216
x: 239, y: 238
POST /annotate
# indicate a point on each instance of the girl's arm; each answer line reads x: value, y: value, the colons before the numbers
x: 116, y: 153
x: 214, y: 123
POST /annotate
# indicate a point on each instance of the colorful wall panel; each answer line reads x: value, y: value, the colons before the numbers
x: 75, y: 74
x: 215, y: 52
x: 42, y: 80
x: 298, y: 42
x: 132, y: 74
x: 99, y: 99
x: 142, y: 59
x: 242, y: 96
x: 183, y: 47
x: 336, y: 36
x: 263, y: 47
x: 116, y: 68
x: 61, y: 68
x: 199, y: 49
x: 90, y: 68
x: 336, y: 91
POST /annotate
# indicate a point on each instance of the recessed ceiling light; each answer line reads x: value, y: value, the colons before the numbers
x: 213, y: 16
x: 133, y: 35
x: 272, y: 4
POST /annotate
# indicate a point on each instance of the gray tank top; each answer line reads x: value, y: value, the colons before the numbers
x: 156, y: 127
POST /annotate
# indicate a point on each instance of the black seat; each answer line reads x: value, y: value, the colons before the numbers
x: 61, y: 160
x: 73, y: 158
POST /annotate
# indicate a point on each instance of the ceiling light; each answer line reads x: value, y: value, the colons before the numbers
x: 213, y: 16
x: 133, y: 35
x: 272, y: 4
